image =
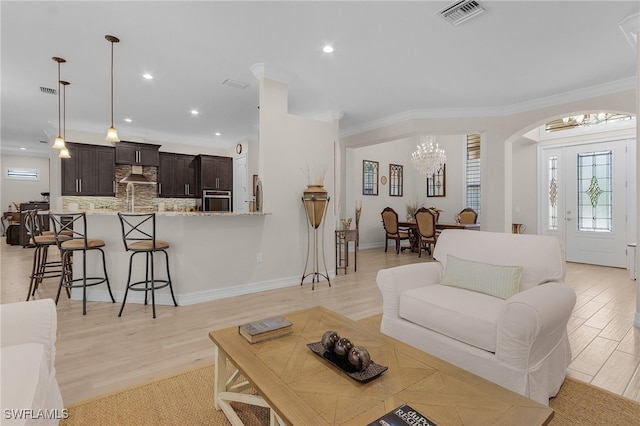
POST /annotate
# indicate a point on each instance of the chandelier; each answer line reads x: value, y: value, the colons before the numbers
x: 428, y: 159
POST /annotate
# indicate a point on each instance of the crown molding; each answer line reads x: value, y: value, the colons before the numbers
x: 563, y: 98
x: 630, y: 27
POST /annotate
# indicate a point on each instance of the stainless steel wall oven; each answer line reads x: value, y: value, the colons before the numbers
x: 216, y: 201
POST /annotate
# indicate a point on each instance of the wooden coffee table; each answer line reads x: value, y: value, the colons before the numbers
x: 303, y: 389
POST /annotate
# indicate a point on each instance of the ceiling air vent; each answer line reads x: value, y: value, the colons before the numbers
x: 461, y: 11
x: 48, y: 90
x: 234, y: 83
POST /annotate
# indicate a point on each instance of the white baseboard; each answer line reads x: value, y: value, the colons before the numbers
x: 163, y: 296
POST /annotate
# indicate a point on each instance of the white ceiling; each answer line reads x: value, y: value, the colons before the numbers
x: 390, y: 58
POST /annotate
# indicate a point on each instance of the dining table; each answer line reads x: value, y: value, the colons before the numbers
x: 412, y: 227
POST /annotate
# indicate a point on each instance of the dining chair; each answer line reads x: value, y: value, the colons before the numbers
x: 391, y: 229
x: 436, y: 212
x: 467, y: 216
x: 426, y: 227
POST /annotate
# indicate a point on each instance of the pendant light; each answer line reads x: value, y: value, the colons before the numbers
x: 64, y: 152
x: 59, y: 142
x: 112, y: 133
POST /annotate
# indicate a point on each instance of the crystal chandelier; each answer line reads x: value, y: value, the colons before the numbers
x: 428, y: 159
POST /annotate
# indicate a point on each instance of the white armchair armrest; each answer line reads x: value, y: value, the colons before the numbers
x: 30, y: 322
x: 533, y: 322
x: 394, y: 281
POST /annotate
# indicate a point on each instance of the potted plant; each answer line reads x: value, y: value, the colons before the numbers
x: 412, y: 208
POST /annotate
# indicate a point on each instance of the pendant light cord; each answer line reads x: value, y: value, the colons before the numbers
x: 59, y: 103
x: 59, y: 61
x: 112, y: 84
x: 64, y: 108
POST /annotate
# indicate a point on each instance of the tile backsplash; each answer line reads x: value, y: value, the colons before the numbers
x: 146, y: 198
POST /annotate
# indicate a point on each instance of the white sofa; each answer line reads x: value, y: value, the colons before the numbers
x: 30, y: 392
x: 519, y: 342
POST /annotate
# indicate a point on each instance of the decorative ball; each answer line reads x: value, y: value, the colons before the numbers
x: 329, y: 340
x: 359, y: 357
x: 343, y: 347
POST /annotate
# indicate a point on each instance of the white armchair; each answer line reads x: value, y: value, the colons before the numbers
x: 30, y: 392
x: 519, y: 342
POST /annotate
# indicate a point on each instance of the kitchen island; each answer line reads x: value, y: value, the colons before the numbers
x: 212, y: 255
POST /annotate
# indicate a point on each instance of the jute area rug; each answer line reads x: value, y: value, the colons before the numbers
x: 186, y: 398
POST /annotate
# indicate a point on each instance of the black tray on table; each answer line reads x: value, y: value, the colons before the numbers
x: 371, y: 372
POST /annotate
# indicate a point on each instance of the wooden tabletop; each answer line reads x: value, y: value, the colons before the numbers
x: 305, y: 389
x: 443, y: 225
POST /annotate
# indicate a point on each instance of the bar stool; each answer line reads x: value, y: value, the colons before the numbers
x: 70, y: 230
x: 139, y: 236
x: 42, y: 267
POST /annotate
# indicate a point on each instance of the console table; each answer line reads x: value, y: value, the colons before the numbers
x: 343, y: 237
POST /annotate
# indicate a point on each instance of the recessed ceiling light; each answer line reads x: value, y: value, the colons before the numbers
x: 194, y: 112
x: 327, y: 49
x: 218, y: 133
x: 23, y: 149
x: 128, y: 120
x: 147, y: 76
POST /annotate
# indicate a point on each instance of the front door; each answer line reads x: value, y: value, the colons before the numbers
x: 585, y: 201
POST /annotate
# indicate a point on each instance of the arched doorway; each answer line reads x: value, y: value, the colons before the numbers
x: 585, y: 186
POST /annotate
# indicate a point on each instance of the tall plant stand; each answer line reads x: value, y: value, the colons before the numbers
x: 315, y: 204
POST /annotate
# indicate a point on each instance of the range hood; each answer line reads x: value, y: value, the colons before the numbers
x: 136, y: 176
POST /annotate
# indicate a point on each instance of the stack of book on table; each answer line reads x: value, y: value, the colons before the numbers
x: 265, y: 329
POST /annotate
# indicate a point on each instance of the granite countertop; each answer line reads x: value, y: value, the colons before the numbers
x: 106, y: 212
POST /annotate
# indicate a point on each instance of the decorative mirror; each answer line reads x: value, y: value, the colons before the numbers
x: 437, y: 183
x: 369, y: 177
x: 395, y: 180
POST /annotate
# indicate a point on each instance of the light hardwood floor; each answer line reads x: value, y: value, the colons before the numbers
x: 100, y: 353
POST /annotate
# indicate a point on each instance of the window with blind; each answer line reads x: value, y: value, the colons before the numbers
x: 22, y: 174
x: 473, y: 173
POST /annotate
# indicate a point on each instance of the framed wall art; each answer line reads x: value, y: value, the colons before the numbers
x: 370, y: 171
x: 396, y: 183
x: 437, y: 183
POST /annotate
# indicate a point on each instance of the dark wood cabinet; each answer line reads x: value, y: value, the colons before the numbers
x: 137, y: 154
x: 105, y: 171
x: 176, y: 176
x: 166, y: 175
x: 90, y: 170
x: 185, y: 175
x: 214, y: 172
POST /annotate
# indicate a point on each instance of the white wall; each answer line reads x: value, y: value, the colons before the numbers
x: 525, y: 186
x: 288, y: 146
x: 23, y: 190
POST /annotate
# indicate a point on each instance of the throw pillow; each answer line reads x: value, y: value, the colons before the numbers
x: 494, y: 280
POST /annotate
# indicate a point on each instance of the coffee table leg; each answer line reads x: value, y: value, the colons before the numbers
x: 228, y: 390
x: 220, y: 379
